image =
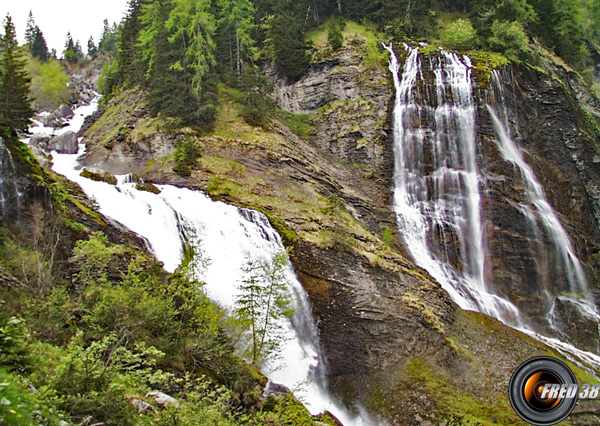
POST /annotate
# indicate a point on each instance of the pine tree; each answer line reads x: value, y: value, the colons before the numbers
x: 69, y: 54
x: 15, y: 104
x: 128, y: 58
x: 237, y: 23
x: 30, y: 29
x: 287, y: 43
x: 192, y: 26
x: 91, y: 48
x: 38, y: 47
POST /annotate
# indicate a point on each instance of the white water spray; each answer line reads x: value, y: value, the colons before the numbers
x: 436, y: 193
x: 228, y: 237
x: 443, y: 193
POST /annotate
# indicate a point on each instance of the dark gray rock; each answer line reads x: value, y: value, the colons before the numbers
x: 65, y: 143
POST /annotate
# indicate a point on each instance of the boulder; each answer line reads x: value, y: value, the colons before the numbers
x: 64, y: 111
x: 39, y: 139
x: 163, y: 399
x: 142, y: 407
x: 65, y: 143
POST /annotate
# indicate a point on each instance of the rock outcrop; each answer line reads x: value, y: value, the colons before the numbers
x: 65, y: 143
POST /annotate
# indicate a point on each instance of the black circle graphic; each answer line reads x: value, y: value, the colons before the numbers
x: 526, y: 387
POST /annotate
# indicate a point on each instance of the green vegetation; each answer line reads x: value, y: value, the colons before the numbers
x: 264, y: 301
x: 95, y: 345
x: 48, y: 84
x: 460, y: 35
x: 186, y: 154
x: 15, y: 108
x: 335, y: 37
x: 36, y: 41
x: 454, y: 405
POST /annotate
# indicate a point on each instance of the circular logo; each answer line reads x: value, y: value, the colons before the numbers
x: 543, y: 391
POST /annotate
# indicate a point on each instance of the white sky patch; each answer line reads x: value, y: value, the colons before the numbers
x: 56, y: 18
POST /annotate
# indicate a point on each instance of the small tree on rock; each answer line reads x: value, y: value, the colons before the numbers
x: 263, y: 304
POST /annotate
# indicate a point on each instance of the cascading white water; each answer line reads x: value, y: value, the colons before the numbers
x: 535, y: 192
x: 566, y: 259
x: 9, y: 193
x: 228, y: 238
x: 436, y: 193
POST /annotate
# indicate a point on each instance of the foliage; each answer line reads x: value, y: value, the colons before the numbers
x: 509, y: 38
x: 256, y: 103
x: 15, y: 107
x: 49, y: 84
x: 334, y: 33
x: 236, y: 25
x: 263, y: 303
x: 72, y: 52
x: 13, y: 337
x: 35, y: 40
x: 186, y: 154
x: 286, y: 42
x: 460, y: 35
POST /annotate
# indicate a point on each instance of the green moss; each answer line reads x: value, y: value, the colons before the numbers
x: 106, y: 177
x: 148, y: 187
x: 456, y: 405
x: 484, y: 63
x: 300, y: 124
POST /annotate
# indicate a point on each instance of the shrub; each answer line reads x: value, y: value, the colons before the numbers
x: 509, y: 38
x: 48, y: 84
x: 334, y: 33
x: 460, y: 35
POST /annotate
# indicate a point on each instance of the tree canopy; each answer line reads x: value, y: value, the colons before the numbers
x: 15, y: 104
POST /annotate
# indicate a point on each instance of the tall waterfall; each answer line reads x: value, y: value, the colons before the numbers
x: 228, y: 238
x: 438, y: 197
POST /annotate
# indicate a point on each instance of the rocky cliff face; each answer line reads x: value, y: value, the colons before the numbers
x: 393, y: 339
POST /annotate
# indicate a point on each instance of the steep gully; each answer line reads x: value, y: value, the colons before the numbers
x: 228, y: 238
x: 438, y: 199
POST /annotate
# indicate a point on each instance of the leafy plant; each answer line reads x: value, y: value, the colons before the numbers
x: 460, y: 35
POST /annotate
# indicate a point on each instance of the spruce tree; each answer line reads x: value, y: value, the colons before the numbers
x: 128, y: 57
x: 91, y: 48
x: 30, y: 28
x: 38, y: 47
x: 15, y: 104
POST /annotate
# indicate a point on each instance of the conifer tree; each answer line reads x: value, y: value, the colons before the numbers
x: 38, y: 46
x: 91, y: 48
x: 192, y: 26
x: 128, y: 58
x: 70, y: 53
x: 30, y: 28
x: 237, y: 23
x: 15, y: 104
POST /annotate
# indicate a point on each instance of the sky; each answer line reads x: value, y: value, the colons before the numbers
x: 84, y: 18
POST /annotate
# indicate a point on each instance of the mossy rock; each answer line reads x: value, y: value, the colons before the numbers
x: 106, y: 177
x: 148, y: 187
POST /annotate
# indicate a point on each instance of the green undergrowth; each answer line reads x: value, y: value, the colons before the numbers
x: 120, y: 328
x: 452, y: 404
x: 362, y: 38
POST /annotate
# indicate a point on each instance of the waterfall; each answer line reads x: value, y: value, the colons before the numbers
x: 9, y: 193
x: 437, y: 197
x: 438, y: 201
x: 554, y: 241
x: 228, y: 237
